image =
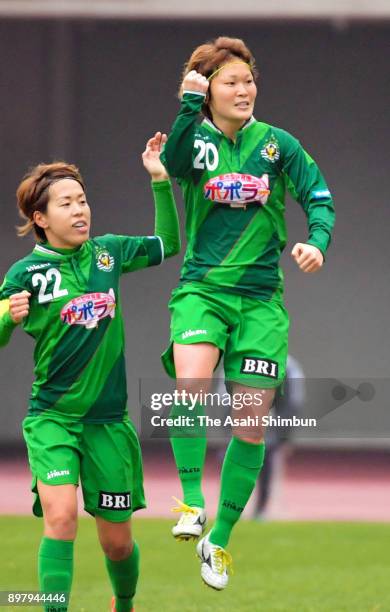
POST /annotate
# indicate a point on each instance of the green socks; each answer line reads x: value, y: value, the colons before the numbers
x: 55, y: 569
x: 189, y: 445
x: 240, y: 470
x: 124, y: 576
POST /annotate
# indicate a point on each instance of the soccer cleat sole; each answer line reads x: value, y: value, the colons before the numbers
x: 186, y: 537
x: 210, y: 586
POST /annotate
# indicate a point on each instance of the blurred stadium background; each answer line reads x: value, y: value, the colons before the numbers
x: 90, y: 81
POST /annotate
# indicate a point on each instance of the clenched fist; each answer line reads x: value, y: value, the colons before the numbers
x: 308, y: 257
x: 195, y: 82
x: 19, y: 306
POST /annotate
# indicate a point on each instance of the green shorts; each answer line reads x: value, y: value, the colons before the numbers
x: 252, y: 334
x: 106, y: 458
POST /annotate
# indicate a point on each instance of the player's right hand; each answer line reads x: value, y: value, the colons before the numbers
x: 194, y: 81
x: 151, y: 157
x: 19, y: 306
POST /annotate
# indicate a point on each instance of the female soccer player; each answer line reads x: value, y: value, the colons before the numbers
x: 65, y: 294
x: 234, y: 172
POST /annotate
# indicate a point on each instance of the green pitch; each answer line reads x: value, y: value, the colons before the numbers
x: 278, y: 567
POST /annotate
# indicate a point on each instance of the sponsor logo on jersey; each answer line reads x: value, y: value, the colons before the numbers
x: 271, y: 150
x: 37, y: 267
x: 265, y: 367
x: 89, y: 309
x: 114, y: 501
x: 57, y: 473
x: 104, y: 260
x: 193, y: 332
x: 237, y: 190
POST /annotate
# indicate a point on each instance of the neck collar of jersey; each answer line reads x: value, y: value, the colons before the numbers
x: 47, y: 249
x: 208, y: 123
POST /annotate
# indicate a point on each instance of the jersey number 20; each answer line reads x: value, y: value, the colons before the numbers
x: 43, y: 279
x: 207, y: 155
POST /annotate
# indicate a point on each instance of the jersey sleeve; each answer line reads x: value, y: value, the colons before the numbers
x: 11, y: 284
x: 166, y: 217
x: 306, y: 184
x: 178, y: 151
x: 143, y: 251
x: 140, y: 252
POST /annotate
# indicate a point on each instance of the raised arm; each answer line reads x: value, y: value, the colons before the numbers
x: 166, y: 219
x: 178, y: 151
x: 143, y: 251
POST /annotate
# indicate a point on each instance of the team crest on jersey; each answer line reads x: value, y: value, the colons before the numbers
x: 271, y: 150
x: 104, y: 260
x: 89, y: 309
x: 237, y: 190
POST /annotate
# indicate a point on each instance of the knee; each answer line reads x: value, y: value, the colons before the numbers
x: 251, y: 437
x: 191, y: 384
x: 61, y: 524
x: 117, y: 551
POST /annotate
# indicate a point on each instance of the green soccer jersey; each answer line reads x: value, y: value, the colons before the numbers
x: 235, y: 200
x: 76, y: 320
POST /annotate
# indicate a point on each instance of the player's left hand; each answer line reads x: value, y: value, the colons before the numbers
x: 151, y: 157
x: 308, y: 257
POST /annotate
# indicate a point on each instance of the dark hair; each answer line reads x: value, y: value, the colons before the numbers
x: 212, y: 55
x: 33, y: 193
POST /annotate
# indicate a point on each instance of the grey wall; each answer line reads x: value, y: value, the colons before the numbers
x: 93, y: 92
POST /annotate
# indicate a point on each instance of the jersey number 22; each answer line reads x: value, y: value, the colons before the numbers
x: 43, y: 279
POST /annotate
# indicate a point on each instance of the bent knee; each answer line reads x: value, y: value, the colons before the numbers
x: 192, y: 383
x: 117, y: 551
x: 252, y: 437
x: 61, y: 524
